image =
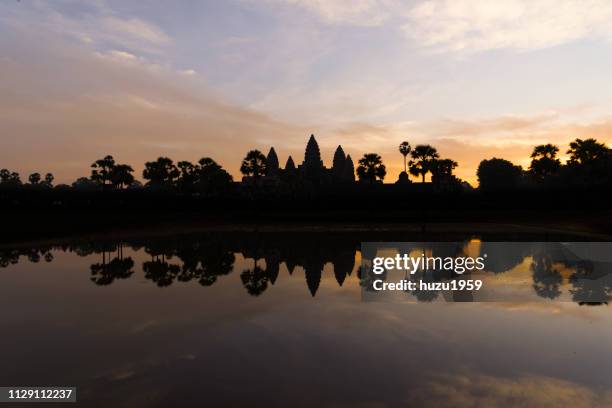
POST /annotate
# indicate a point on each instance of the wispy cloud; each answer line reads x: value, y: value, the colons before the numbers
x: 97, y: 25
x: 355, y: 12
x: 473, y: 25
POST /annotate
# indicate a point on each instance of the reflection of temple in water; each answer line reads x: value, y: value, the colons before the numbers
x: 203, y: 258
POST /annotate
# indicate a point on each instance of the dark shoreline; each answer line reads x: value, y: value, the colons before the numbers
x: 52, y: 226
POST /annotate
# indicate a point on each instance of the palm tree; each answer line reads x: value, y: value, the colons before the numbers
x: 586, y: 151
x: 404, y: 149
x: 423, y: 157
x: 161, y: 172
x: 121, y: 175
x: 370, y: 167
x: 102, y: 170
x: 5, y: 175
x: 48, y: 180
x: 34, y: 178
x: 212, y: 178
x: 255, y: 280
x: 188, y: 177
x: 544, y: 161
x: 548, y: 150
x: 254, y: 164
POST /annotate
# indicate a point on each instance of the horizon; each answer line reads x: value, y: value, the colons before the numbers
x: 198, y: 79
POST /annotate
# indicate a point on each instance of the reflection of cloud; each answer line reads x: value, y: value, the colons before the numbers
x: 476, y: 390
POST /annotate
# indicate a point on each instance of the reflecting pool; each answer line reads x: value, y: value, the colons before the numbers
x: 280, y: 319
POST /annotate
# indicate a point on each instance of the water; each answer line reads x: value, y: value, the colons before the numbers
x: 279, y: 319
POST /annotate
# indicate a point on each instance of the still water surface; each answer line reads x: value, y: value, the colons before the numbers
x: 236, y: 319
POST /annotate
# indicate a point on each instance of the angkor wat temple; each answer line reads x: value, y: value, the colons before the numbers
x: 311, y: 171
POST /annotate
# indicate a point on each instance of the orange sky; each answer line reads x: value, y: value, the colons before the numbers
x: 110, y: 81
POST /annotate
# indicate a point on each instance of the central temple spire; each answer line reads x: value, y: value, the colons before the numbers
x: 312, y: 157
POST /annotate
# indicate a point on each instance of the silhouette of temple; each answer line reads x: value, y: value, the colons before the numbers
x: 312, y: 170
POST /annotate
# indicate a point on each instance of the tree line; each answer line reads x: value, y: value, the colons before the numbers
x: 589, y: 164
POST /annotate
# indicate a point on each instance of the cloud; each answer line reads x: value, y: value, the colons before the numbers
x: 354, y: 12
x: 477, y: 390
x: 474, y: 25
x: 96, y: 25
x: 74, y: 105
x: 135, y: 28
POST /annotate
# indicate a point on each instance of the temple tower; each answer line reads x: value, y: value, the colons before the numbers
x: 290, y: 165
x: 339, y: 162
x: 272, y: 162
x: 312, y: 156
x: 348, y: 172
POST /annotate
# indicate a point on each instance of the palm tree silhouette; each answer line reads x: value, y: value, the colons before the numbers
x: 102, y: 169
x: 370, y: 167
x: 34, y: 178
x: 423, y: 157
x: 121, y: 175
x: 188, y: 176
x: 212, y: 178
x: 254, y: 164
x: 544, y: 161
x: 586, y: 151
x: 404, y: 149
x: 49, y: 180
x: 161, y: 172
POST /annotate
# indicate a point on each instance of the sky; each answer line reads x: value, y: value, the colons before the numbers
x: 193, y: 78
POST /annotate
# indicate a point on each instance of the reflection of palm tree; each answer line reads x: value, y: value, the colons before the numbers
x: 217, y: 262
x: 546, y: 279
x: 424, y: 295
x: 8, y: 257
x: 105, y: 274
x: 160, y: 271
x: 118, y: 268
x: 590, y: 285
x: 33, y: 256
x: 255, y: 280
